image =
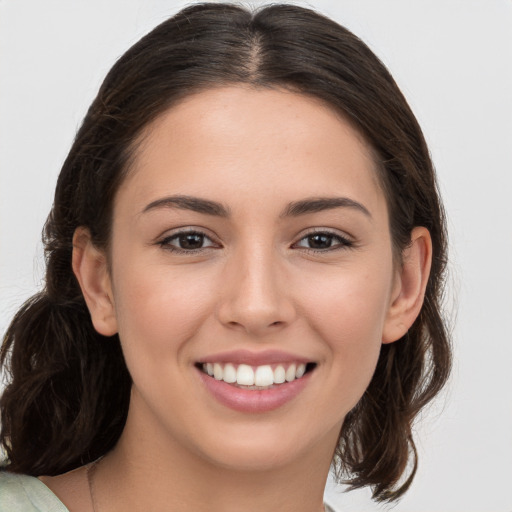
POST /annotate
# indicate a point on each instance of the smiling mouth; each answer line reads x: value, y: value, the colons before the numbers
x: 256, y: 377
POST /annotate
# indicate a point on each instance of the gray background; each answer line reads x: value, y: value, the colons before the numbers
x: 452, y: 59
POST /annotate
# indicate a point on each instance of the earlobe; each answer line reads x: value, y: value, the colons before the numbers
x: 409, y: 290
x: 91, y: 270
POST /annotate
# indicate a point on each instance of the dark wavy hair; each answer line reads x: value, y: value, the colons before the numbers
x: 67, y: 399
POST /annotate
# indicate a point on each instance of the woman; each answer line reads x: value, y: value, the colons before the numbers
x: 244, y: 265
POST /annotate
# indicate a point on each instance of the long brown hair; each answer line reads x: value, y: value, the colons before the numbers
x: 67, y: 400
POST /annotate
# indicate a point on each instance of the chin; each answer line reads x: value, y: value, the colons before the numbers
x: 268, y: 447
x: 254, y: 458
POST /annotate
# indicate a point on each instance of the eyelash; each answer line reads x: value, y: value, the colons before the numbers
x: 165, y: 243
x: 342, y: 242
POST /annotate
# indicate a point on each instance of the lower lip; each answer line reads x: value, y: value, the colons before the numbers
x: 254, y: 400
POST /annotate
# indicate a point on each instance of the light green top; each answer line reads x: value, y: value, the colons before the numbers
x: 23, y: 493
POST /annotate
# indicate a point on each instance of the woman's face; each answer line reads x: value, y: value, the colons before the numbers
x: 252, y: 235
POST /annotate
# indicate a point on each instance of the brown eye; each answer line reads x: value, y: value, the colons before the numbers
x: 190, y: 241
x: 187, y: 241
x: 320, y: 241
x: 323, y: 241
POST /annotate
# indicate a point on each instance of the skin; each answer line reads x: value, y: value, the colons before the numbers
x: 256, y: 285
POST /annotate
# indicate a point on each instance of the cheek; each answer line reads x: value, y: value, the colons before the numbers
x: 159, y: 308
x: 349, y: 307
x: 348, y: 314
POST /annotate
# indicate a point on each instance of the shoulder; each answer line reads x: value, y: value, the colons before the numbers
x: 23, y: 493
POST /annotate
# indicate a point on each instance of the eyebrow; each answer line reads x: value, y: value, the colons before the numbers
x: 195, y: 204
x: 294, y: 209
x: 318, y: 204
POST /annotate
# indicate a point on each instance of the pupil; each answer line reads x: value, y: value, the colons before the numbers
x: 320, y: 241
x: 191, y: 241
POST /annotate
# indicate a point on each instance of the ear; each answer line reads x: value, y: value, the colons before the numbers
x: 91, y: 270
x: 409, y: 287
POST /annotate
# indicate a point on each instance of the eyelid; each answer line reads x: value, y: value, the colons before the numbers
x: 189, y: 228
x: 345, y: 241
x: 164, y: 239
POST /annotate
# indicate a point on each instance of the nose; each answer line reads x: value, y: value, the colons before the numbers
x: 255, y: 297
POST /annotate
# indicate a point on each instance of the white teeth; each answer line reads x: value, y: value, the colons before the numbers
x: 245, y: 375
x: 279, y: 375
x: 300, y: 371
x: 290, y: 373
x: 217, y: 371
x: 264, y: 376
x: 229, y: 374
x: 259, y: 377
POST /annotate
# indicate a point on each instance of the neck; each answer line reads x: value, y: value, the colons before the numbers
x: 155, y: 472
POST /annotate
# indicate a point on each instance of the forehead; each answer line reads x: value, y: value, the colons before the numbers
x: 255, y: 142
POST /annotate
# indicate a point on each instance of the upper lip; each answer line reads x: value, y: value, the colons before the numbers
x: 254, y: 358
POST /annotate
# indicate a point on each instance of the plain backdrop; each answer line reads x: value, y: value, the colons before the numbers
x: 453, y: 61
